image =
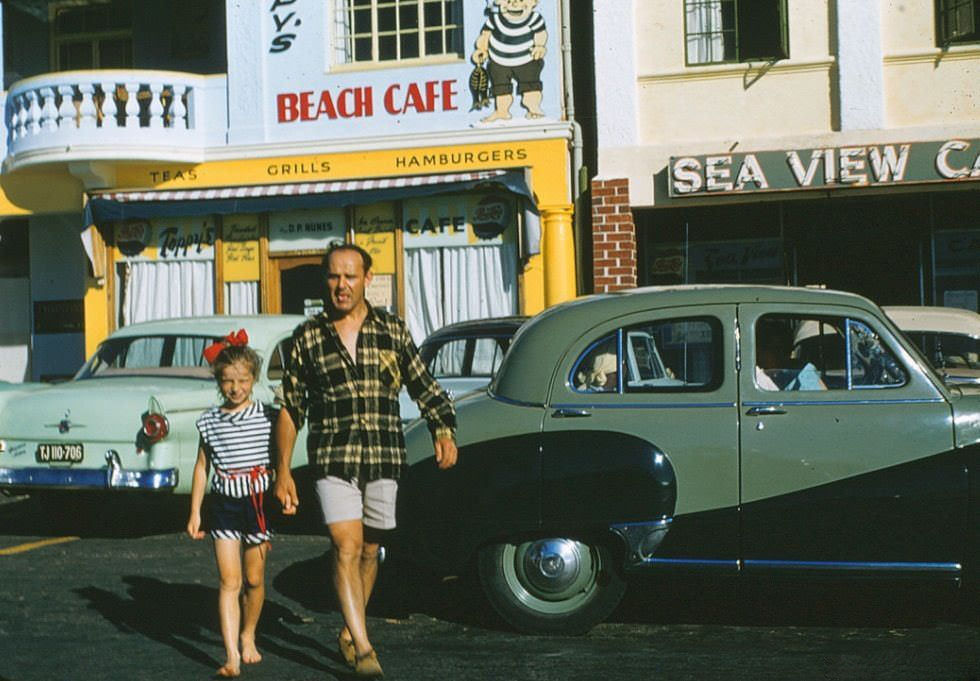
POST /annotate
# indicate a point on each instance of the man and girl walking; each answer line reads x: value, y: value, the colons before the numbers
x: 342, y: 378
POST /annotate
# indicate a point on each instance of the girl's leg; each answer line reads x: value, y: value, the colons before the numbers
x: 227, y: 552
x: 252, y: 599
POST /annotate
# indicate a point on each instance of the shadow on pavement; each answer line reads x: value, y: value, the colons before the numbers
x: 184, y: 617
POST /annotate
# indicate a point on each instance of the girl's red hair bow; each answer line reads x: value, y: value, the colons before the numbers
x: 234, y: 338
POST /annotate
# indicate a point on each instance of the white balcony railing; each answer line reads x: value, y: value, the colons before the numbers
x: 99, y: 115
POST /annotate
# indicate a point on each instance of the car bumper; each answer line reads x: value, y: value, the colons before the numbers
x: 88, y: 478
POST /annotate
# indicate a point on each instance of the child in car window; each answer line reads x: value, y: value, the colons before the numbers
x: 235, y: 438
x: 776, y: 369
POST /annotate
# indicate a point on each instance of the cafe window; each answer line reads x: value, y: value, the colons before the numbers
x: 957, y: 21
x: 94, y: 35
x: 372, y: 31
x: 719, y: 31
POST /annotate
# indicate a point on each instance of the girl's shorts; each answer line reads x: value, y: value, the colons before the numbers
x: 236, y: 518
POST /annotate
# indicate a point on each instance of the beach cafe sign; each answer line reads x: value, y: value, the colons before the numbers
x: 825, y: 168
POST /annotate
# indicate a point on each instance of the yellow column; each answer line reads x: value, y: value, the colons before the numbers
x: 558, y: 249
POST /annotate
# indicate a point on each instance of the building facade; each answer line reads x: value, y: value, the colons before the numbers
x: 165, y: 159
x: 828, y: 143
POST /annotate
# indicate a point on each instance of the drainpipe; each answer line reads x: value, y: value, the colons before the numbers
x: 566, y: 59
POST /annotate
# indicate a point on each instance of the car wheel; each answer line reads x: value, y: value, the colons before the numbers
x: 554, y: 585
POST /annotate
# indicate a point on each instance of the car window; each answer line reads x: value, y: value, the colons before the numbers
x: 487, y: 354
x: 948, y: 350
x: 149, y: 355
x: 799, y: 353
x: 277, y: 362
x: 448, y: 361
x: 658, y: 356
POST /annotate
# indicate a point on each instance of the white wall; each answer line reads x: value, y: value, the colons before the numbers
x: 15, y: 330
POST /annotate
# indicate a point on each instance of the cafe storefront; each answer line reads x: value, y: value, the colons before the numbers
x: 899, y: 223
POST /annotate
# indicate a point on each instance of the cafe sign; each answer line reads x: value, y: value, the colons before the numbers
x: 954, y: 160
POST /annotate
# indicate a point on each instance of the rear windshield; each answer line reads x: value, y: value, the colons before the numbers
x: 164, y: 355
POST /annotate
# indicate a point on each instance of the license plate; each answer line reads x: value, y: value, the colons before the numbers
x: 59, y: 453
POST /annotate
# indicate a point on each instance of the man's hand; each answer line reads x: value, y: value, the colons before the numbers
x: 285, y: 492
x: 445, y: 452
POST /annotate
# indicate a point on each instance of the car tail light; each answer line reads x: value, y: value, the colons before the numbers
x: 155, y: 428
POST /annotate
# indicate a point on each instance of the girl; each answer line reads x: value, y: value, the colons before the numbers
x: 235, y: 439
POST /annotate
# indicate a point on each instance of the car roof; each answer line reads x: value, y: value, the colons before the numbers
x: 526, y: 372
x: 490, y: 326
x: 262, y: 329
x: 938, y: 319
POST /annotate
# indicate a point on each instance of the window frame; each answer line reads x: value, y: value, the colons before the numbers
x: 784, y: 45
x: 948, y: 8
x: 90, y: 38
x: 344, y: 42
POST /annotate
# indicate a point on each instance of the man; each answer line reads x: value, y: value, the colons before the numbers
x: 345, y: 370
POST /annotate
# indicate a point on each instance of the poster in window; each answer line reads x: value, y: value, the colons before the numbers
x: 240, y: 255
x: 374, y: 231
x: 170, y: 239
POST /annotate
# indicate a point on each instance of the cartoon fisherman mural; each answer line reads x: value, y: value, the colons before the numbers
x: 512, y: 46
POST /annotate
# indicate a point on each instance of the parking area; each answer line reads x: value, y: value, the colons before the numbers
x: 119, y: 593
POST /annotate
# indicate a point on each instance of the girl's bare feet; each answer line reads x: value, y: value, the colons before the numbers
x: 250, y: 654
x: 226, y: 671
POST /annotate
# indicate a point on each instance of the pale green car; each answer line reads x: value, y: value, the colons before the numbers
x: 684, y: 430
x: 127, y: 420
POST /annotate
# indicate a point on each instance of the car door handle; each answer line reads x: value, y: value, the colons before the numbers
x: 764, y: 411
x: 570, y: 413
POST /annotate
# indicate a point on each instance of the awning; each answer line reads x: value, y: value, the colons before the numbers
x: 103, y: 207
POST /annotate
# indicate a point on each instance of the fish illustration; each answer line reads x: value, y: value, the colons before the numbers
x: 480, y: 87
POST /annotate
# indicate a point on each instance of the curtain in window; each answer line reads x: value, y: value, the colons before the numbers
x: 242, y: 297
x: 448, y: 285
x: 342, y: 32
x: 705, y: 40
x: 161, y: 290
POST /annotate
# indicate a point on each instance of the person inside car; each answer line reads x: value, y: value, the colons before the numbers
x: 776, y: 368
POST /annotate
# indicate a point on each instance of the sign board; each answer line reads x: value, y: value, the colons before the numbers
x: 459, y: 220
x: 306, y: 230
x: 881, y: 165
x: 240, y: 251
x: 177, y: 238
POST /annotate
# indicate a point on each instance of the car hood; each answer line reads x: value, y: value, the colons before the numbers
x: 104, y: 408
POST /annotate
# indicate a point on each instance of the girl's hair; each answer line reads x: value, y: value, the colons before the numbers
x: 237, y: 353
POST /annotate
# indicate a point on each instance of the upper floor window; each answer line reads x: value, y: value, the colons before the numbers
x: 92, y: 35
x: 372, y: 31
x: 957, y: 21
x: 735, y: 30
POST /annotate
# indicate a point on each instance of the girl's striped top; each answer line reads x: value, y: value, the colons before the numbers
x: 238, y: 445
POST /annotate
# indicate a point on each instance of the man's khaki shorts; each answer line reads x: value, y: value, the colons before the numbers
x: 373, y: 503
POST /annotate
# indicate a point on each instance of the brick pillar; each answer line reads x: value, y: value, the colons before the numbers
x: 613, y: 236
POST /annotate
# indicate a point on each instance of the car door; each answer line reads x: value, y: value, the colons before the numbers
x: 642, y: 428
x: 846, y: 453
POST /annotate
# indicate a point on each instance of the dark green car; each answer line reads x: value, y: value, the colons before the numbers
x: 719, y: 429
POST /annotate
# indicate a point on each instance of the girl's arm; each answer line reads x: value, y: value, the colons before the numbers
x: 200, y: 477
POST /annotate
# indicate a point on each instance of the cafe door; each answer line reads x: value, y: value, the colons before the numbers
x: 295, y: 282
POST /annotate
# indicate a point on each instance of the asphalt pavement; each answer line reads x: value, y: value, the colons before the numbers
x: 120, y: 593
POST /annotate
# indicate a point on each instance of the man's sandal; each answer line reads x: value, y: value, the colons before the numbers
x: 347, y: 651
x: 367, y: 665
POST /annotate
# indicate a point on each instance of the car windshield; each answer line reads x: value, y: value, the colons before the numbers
x: 163, y: 355
x: 948, y: 350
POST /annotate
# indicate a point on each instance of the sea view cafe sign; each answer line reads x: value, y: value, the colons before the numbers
x: 825, y: 168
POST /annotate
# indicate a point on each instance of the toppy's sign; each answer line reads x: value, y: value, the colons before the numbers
x: 825, y: 168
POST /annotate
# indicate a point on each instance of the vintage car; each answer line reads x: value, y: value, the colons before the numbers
x: 126, y: 421
x: 463, y: 356
x: 948, y: 336
x: 727, y: 463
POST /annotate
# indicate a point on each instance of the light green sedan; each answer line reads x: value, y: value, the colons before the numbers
x: 126, y: 421
x: 685, y: 430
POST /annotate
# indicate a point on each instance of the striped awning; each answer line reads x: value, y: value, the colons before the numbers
x: 105, y: 207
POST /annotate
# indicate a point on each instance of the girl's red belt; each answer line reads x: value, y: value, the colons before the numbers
x: 253, y: 475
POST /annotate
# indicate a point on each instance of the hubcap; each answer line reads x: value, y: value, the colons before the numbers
x: 552, y: 565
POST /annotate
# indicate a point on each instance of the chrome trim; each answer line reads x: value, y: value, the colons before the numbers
x: 635, y: 405
x: 89, y: 478
x: 765, y: 411
x: 833, y: 403
x: 517, y: 403
x: 566, y: 412
x: 641, y: 539
x: 857, y: 566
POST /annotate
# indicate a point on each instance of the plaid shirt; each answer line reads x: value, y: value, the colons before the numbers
x: 352, y: 407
